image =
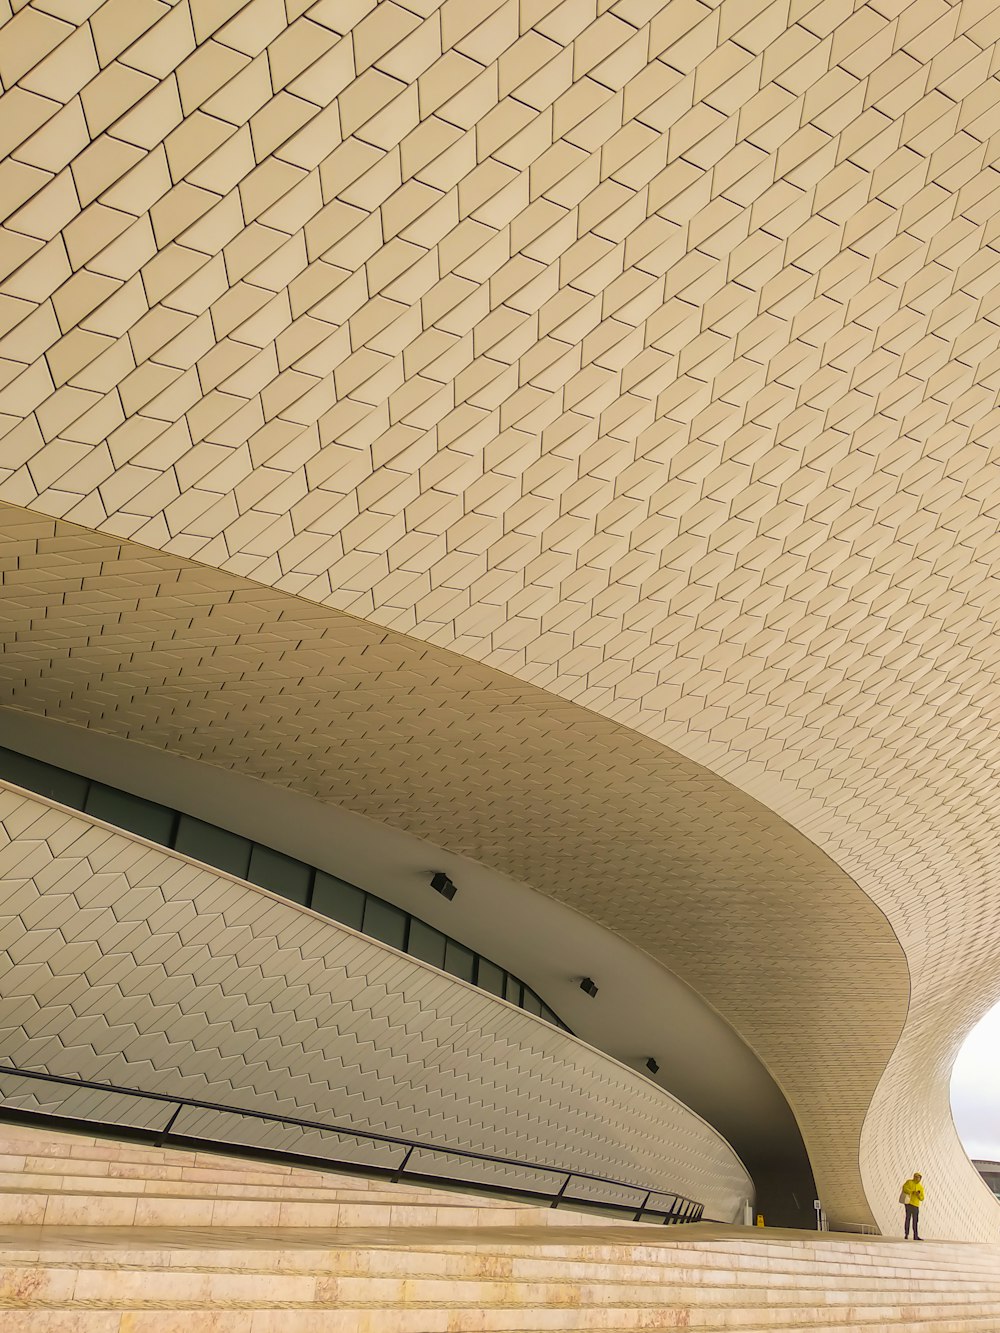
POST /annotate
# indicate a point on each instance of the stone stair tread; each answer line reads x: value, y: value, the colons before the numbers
x: 81, y: 1189
x: 50, y: 1180
x: 78, y: 1166
x: 211, y: 1243
x: 11, y: 1157
x: 60, y: 1155
x: 414, y: 1319
x: 280, y: 1291
x: 430, y: 1198
x: 394, y: 1322
x: 171, y: 1158
x: 335, y: 1252
x: 819, y: 1316
x: 100, y: 1168
x: 178, y: 1161
x: 354, y: 1246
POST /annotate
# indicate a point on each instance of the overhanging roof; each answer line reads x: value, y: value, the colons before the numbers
x: 646, y: 352
x: 143, y: 645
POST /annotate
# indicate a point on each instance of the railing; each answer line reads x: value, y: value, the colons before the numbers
x: 577, y: 1188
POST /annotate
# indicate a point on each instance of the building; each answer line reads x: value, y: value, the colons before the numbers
x: 990, y: 1172
x: 547, y: 446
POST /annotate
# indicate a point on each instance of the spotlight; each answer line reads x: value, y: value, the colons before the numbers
x: 588, y: 987
x: 444, y: 886
x: 652, y: 1066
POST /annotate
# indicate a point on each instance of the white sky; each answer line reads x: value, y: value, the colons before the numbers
x: 975, y: 1090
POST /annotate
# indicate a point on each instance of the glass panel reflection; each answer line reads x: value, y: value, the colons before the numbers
x: 385, y: 922
x: 339, y: 900
x: 215, y: 846
x: 273, y: 870
x: 279, y: 873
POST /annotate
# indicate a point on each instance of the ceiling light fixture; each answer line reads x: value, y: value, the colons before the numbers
x: 443, y: 885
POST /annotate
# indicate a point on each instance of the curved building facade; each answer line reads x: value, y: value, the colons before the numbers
x: 182, y: 984
x: 555, y: 444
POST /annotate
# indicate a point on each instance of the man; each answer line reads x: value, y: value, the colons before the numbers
x: 912, y: 1195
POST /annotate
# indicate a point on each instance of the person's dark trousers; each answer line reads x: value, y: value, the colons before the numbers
x: 912, y: 1215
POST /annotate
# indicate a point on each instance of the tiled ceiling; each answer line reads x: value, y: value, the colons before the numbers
x: 646, y: 351
x: 143, y: 645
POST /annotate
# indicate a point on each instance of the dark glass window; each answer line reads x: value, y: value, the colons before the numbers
x: 55, y: 783
x: 426, y: 943
x: 282, y: 874
x: 215, y: 846
x: 490, y: 977
x: 459, y: 961
x: 339, y: 900
x: 146, y: 818
x: 279, y: 873
x: 385, y: 922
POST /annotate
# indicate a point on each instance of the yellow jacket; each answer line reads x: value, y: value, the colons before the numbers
x: 913, y: 1192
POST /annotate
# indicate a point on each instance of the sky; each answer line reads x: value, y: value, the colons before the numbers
x: 975, y: 1090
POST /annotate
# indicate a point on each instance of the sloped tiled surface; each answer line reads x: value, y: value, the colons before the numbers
x: 127, y: 964
x: 645, y: 350
x: 145, y: 645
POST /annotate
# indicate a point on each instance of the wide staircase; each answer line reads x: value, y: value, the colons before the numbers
x: 105, y: 1237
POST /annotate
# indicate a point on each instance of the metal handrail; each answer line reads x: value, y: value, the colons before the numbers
x: 681, y: 1209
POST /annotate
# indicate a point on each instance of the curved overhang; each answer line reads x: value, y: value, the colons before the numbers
x: 151, y: 648
x: 646, y: 355
x: 136, y: 973
x: 643, y: 1010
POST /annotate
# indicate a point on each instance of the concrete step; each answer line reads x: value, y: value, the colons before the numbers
x: 533, y: 1260
x: 47, y: 1284
x: 64, y: 1154
x: 404, y: 1290
x: 330, y: 1191
x: 733, y: 1260
x: 54, y: 1160
x: 375, y: 1320
x: 66, y: 1208
x: 534, y: 1267
x: 100, y: 1169
x: 106, y: 1238
x: 59, y: 1164
x: 330, y: 1195
x: 74, y: 1202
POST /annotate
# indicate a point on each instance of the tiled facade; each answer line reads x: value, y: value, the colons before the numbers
x: 288, y: 877
x: 183, y: 657
x: 643, y: 351
x: 129, y: 965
